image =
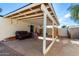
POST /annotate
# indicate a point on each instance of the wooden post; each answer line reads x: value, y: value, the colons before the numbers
x: 44, y: 33
x: 46, y: 13
x: 34, y: 25
x: 52, y: 30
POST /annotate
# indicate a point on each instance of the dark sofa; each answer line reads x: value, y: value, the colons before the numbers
x: 23, y: 35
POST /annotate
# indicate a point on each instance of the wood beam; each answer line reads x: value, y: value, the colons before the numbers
x: 38, y: 17
x: 53, y: 11
x: 34, y: 15
x: 41, y: 17
x: 44, y: 34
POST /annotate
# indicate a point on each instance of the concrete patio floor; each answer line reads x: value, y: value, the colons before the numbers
x: 31, y: 47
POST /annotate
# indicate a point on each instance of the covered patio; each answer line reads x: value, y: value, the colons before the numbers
x: 41, y: 14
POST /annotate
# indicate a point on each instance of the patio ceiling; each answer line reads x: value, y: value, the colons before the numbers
x: 32, y: 11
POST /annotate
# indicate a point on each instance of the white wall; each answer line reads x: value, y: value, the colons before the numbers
x: 62, y: 32
x: 7, y: 29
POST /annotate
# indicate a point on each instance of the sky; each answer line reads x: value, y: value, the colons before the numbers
x: 61, y: 10
x: 63, y: 14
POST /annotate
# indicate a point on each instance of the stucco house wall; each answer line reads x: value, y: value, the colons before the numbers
x: 8, y: 28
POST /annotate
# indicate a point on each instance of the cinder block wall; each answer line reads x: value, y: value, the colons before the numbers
x: 62, y: 32
x: 74, y: 32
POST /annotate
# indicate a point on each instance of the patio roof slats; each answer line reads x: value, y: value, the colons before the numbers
x: 26, y: 13
x: 27, y: 7
x: 33, y: 10
x: 36, y: 10
x: 28, y: 16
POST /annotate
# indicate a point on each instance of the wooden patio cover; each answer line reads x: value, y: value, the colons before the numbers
x: 44, y: 11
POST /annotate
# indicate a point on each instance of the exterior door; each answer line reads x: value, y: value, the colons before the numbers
x: 31, y: 28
